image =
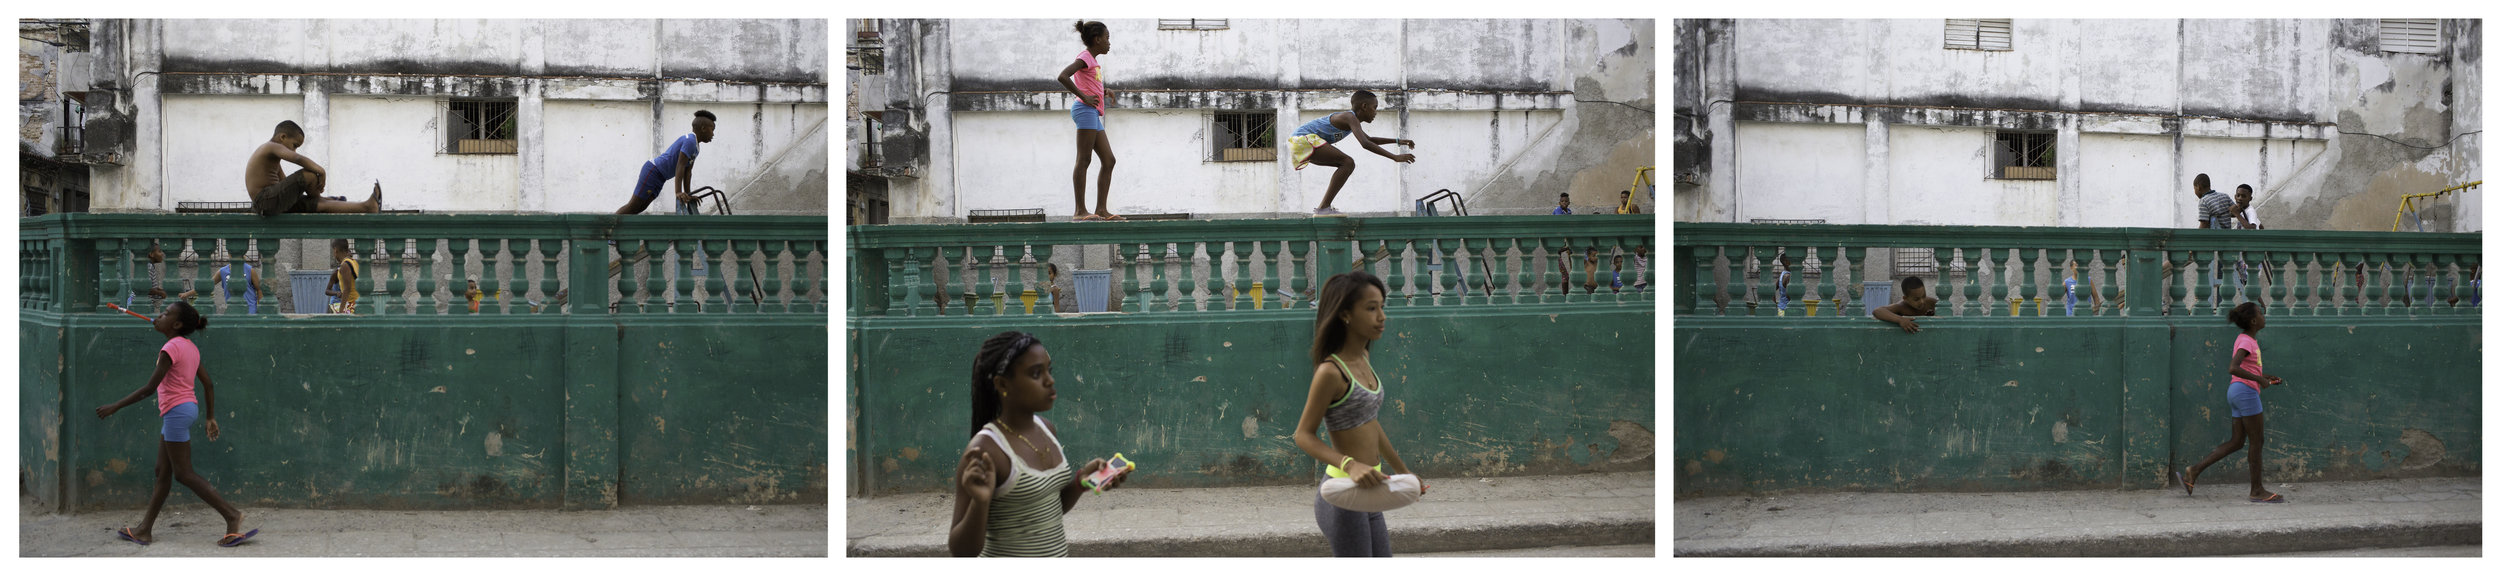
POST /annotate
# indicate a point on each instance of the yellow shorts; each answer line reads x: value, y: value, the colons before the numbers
x: 1302, y: 147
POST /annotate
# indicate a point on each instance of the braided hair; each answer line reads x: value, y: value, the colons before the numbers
x: 997, y: 353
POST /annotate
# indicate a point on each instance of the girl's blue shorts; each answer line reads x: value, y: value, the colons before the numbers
x: 2244, y: 400
x: 1087, y: 118
x: 178, y: 422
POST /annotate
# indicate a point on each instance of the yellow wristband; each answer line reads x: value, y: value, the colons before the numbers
x: 1341, y: 464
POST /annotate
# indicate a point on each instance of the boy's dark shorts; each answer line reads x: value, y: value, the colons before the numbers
x: 294, y: 194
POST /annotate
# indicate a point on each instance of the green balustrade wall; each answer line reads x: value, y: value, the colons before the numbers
x: 1202, y: 401
x: 2011, y: 405
x: 574, y: 407
x: 2377, y: 386
x: 1524, y: 381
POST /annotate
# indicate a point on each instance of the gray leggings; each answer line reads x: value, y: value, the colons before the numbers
x: 1352, y: 534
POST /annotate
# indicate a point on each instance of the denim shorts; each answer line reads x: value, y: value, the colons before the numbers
x: 2244, y: 400
x: 178, y: 422
x: 1087, y: 118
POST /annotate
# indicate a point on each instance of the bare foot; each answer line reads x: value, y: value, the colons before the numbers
x: 374, y: 204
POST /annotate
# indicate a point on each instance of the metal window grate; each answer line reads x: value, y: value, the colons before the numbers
x: 481, y: 127
x: 1243, y: 136
x: 1908, y: 262
x: 2414, y: 35
x: 1995, y: 34
x: 2026, y: 155
x: 1193, y: 24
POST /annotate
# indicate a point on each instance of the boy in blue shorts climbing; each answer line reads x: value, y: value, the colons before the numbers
x: 675, y: 162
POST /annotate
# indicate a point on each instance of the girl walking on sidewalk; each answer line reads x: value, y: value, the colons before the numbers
x: 177, y: 363
x: 1346, y: 395
x: 2248, y: 413
x: 1009, y: 496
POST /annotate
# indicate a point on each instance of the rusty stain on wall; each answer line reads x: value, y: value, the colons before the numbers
x: 1634, y: 443
x: 2423, y: 450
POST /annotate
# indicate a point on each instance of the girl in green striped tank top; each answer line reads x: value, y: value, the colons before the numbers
x: 1013, y: 483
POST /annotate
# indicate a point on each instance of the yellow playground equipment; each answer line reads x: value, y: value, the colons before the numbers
x: 2407, y: 211
x: 1641, y: 184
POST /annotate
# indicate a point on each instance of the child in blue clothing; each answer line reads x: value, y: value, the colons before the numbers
x: 675, y: 162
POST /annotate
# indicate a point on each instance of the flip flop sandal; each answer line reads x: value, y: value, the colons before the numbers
x: 2269, y: 499
x: 2182, y: 476
x: 1086, y: 218
x: 1114, y: 217
x: 124, y: 533
x: 233, y: 540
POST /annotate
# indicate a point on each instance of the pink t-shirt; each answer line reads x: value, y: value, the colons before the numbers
x: 176, y: 388
x: 2254, y: 364
x: 1089, y: 80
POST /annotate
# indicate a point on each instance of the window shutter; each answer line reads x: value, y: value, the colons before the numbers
x: 1979, y: 34
x: 1996, y: 34
x: 2414, y: 35
x: 1193, y: 23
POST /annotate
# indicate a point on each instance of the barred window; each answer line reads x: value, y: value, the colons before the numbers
x: 1243, y: 137
x: 481, y: 127
x: 2026, y: 155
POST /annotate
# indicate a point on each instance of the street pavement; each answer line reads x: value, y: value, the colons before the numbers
x: 192, y: 529
x: 2219, y: 520
x: 1573, y: 515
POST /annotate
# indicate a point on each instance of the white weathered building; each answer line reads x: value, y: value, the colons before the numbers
x: 2076, y: 122
x: 454, y: 115
x: 953, y: 116
x: 50, y: 177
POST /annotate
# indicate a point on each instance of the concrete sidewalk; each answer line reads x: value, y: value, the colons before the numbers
x: 1460, y: 514
x: 2218, y: 520
x: 192, y: 529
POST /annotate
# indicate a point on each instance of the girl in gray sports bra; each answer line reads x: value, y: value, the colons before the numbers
x: 1351, y: 318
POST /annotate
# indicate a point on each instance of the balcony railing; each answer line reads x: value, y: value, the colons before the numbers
x: 420, y: 264
x: 1213, y: 266
x: 1733, y: 270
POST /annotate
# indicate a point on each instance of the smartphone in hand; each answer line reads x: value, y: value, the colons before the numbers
x: 1118, y: 464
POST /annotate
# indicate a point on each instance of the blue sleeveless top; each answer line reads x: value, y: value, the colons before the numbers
x: 1325, y: 130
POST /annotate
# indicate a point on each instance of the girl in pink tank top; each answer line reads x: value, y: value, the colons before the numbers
x: 1083, y: 78
x: 178, y: 367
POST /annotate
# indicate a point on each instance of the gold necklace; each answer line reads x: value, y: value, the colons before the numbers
x: 1028, y: 444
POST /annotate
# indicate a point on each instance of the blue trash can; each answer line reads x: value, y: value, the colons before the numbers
x: 1093, y: 290
x: 308, y: 287
x: 1878, y: 294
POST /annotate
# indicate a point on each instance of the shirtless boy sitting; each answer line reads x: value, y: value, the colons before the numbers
x: 273, y: 191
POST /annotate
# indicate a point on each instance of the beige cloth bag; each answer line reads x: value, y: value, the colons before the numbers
x: 1399, y: 491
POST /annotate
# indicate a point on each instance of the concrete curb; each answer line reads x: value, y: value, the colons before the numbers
x: 2460, y: 530
x: 1304, y: 541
